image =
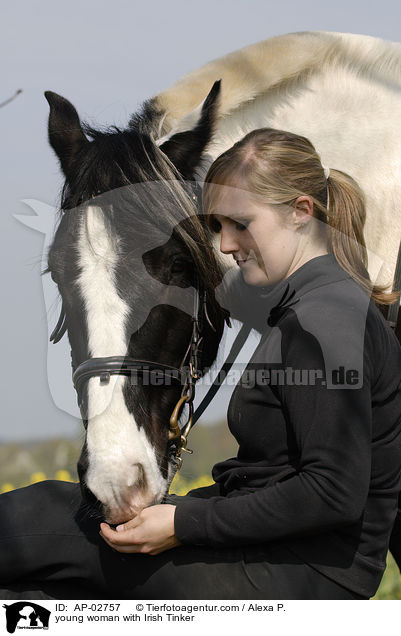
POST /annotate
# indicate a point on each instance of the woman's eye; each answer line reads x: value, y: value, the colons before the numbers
x: 215, y: 225
x: 242, y: 226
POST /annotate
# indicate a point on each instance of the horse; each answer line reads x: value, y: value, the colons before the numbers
x: 117, y: 275
x: 342, y: 91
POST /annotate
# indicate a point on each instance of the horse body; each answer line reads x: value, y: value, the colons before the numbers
x: 341, y: 91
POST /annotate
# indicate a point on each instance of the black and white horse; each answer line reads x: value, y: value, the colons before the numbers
x: 123, y: 289
x: 341, y: 91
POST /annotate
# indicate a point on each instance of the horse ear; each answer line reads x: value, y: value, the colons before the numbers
x: 184, y: 149
x: 65, y: 133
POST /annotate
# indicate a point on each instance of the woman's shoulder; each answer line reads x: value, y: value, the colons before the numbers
x: 342, y: 306
x: 340, y: 322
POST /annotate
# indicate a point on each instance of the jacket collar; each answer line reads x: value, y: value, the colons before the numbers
x: 316, y: 272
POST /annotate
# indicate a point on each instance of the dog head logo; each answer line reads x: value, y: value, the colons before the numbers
x: 26, y: 615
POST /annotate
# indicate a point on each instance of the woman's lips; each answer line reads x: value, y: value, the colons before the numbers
x: 240, y: 262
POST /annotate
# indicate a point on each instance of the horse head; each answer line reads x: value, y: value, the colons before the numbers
x: 131, y: 255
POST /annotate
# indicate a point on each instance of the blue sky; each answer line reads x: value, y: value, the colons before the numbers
x: 106, y: 57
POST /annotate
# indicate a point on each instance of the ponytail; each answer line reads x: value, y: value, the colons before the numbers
x: 346, y: 216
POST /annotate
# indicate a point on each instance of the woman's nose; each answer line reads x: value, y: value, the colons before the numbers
x: 228, y: 242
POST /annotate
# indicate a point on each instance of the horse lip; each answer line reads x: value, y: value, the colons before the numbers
x: 121, y: 517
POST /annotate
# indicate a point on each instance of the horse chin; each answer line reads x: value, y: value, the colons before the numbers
x: 121, y: 514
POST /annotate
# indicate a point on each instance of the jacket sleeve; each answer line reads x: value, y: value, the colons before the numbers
x: 330, y: 482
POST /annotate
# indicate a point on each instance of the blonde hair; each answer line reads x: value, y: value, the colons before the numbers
x: 280, y: 166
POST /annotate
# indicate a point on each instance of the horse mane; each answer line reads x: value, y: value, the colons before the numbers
x: 276, y: 62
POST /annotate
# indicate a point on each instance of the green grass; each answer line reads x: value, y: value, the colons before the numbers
x: 390, y: 587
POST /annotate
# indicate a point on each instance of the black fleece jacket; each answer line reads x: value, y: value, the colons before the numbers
x: 317, y: 416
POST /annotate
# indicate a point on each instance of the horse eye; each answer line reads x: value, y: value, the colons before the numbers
x: 215, y: 225
x: 178, y: 265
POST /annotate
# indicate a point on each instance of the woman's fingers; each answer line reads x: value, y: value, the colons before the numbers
x: 150, y: 532
x: 121, y: 537
x: 122, y: 528
x: 132, y: 523
x: 122, y: 541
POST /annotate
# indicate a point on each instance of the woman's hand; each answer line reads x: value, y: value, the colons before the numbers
x: 150, y: 532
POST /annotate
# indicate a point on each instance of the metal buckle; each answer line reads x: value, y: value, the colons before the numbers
x: 175, y: 433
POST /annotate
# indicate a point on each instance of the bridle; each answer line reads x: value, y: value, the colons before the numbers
x: 185, y: 374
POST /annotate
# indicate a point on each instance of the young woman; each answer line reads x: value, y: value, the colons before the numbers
x: 306, y: 509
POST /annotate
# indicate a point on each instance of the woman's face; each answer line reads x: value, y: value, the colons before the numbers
x: 262, y: 238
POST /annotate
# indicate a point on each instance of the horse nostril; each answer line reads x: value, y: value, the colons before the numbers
x: 137, y: 476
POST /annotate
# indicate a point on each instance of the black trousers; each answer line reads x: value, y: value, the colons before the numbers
x: 50, y: 547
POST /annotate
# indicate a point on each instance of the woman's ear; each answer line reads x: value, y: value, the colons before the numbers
x: 303, y: 211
